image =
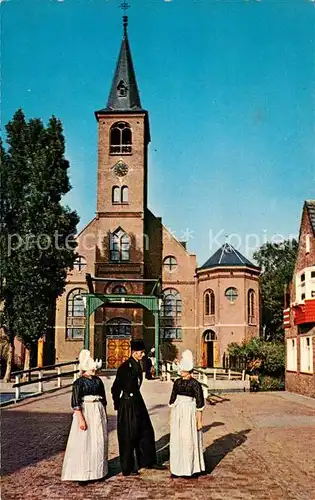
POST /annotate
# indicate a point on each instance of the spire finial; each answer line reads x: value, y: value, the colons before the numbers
x: 124, y: 7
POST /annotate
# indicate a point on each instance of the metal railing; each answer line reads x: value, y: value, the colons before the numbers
x: 42, y: 379
x: 214, y: 380
x: 168, y: 371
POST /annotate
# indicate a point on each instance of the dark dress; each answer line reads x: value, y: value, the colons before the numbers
x: 85, y: 386
x: 86, y: 456
x: 134, y: 428
x: 191, y: 388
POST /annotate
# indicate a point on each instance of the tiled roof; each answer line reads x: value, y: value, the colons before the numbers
x: 227, y: 255
x: 310, y: 205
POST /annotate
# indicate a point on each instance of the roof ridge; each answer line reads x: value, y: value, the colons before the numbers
x: 222, y: 253
x: 238, y: 255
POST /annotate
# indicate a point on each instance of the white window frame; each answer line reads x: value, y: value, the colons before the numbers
x: 306, y: 354
x: 307, y: 243
x: 306, y: 286
x: 291, y: 355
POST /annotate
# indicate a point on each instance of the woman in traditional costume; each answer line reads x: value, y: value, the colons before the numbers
x: 187, y: 404
x: 87, y: 448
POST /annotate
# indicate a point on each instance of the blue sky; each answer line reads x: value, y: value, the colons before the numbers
x: 229, y: 86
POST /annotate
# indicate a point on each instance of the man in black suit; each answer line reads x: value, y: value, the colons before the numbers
x: 134, y: 428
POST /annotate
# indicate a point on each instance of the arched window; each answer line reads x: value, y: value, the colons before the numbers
x: 120, y: 195
x: 126, y: 137
x: 231, y: 294
x: 209, y: 303
x: 75, y: 321
x: 118, y: 327
x: 170, y: 263
x: 171, y: 312
x: 119, y: 246
x: 251, y: 306
x: 124, y: 194
x: 116, y: 194
x: 120, y: 138
x: 210, y: 336
x: 119, y: 289
x: 79, y: 263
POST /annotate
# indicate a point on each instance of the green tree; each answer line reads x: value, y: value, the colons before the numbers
x: 265, y: 357
x: 277, y: 261
x: 37, y: 232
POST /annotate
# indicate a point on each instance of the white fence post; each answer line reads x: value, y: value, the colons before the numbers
x: 59, y: 378
x: 40, y: 383
x: 215, y: 374
x: 75, y: 374
x: 229, y: 374
x: 17, y: 389
x: 243, y: 375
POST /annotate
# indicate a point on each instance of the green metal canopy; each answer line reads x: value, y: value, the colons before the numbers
x: 94, y: 300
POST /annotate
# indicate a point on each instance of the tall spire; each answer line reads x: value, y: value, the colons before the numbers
x: 124, y: 94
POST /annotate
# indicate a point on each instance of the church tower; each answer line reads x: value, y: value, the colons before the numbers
x: 123, y: 137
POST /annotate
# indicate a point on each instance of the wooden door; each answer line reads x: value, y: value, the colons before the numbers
x: 210, y: 353
x: 118, y: 350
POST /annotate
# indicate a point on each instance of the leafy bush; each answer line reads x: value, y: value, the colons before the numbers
x: 274, y: 358
x: 268, y: 383
x: 259, y: 356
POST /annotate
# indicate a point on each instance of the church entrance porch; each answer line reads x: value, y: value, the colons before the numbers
x: 209, y: 349
x: 118, y: 329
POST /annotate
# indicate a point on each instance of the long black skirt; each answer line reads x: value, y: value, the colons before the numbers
x: 135, y: 434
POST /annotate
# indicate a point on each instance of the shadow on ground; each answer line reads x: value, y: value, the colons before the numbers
x: 213, y: 453
x: 29, y: 437
x: 222, y: 446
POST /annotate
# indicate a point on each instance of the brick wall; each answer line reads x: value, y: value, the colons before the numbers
x: 230, y: 322
x: 298, y: 382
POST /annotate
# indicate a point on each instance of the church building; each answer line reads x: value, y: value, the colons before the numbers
x: 125, y: 245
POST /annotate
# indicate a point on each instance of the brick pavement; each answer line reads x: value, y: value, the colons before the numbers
x: 258, y: 446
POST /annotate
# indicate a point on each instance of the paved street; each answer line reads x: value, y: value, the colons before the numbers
x: 258, y: 446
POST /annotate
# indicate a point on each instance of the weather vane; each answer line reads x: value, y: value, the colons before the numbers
x: 124, y: 6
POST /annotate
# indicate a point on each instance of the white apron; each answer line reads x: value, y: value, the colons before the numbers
x: 186, y: 444
x: 86, y: 456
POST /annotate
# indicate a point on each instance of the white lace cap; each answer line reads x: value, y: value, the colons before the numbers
x: 87, y: 363
x: 187, y: 362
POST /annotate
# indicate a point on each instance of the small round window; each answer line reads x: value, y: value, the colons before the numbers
x: 231, y: 294
x: 170, y: 263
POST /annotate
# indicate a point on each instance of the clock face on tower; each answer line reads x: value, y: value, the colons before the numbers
x: 120, y: 169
